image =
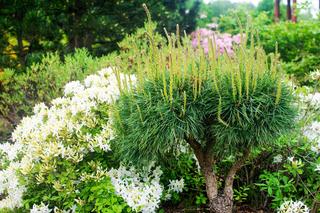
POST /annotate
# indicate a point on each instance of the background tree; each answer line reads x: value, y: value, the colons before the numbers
x: 269, y: 7
x: 39, y: 26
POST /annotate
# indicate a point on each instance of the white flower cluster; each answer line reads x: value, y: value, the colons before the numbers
x: 69, y: 129
x: 312, y: 132
x: 10, y: 189
x: 59, y: 131
x: 277, y: 159
x: 141, y: 190
x: 312, y: 100
x: 176, y: 185
x: 42, y: 208
x: 315, y: 75
x: 293, y: 207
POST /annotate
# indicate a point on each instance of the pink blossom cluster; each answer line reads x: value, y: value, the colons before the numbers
x: 223, y: 42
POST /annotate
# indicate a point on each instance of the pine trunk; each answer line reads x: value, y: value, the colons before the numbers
x: 217, y: 203
x: 221, y: 204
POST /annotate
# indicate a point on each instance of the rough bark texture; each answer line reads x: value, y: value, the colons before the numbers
x: 294, y: 11
x: 228, y: 188
x: 218, y: 203
x: 206, y: 162
x: 276, y: 10
x: 221, y: 204
x: 289, y: 10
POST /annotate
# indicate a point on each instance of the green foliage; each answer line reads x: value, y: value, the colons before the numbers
x: 194, y: 184
x: 229, y: 22
x: 278, y: 186
x: 297, y: 44
x: 238, y: 102
x: 99, y: 196
x: 294, y: 180
x: 139, y: 40
x: 214, y: 10
x: 294, y: 40
x: 33, y: 27
x: 241, y: 194
x: 41, y: 82
x: 267, y: 6
x: 92, y: 195
x: 223, y: 11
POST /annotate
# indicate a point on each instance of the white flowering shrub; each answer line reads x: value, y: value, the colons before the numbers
x: 293, y: 207
x: 141, y: 191
x: 62, y: 153
x: 10, y: 189
x: 42, y: 208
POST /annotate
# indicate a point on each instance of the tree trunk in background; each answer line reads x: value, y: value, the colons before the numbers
x: 76, y: 10
x: 276, y: 10
x: 19, y: 33
x: 289, y: 10
x: 20, y: 47
x: 294, y: 11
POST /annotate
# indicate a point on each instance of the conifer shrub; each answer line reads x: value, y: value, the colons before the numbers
x: 216, y: 104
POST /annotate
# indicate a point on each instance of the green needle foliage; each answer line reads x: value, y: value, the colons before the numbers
x: 235, y: 102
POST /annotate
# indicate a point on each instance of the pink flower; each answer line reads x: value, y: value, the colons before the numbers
x: 237, y: 38
x: 223, y: 42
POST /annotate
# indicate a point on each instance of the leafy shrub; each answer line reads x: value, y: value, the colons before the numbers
x: 294, y: 40
x: 229, y: 23
x: 289, y: 170
x: 61, y: 157
x: 297, y: 43
x: 41, y: 82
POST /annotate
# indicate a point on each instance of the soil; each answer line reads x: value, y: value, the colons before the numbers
x: 239, y: 209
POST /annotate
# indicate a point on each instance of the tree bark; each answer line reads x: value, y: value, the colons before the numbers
x: 218, y: 203
x: 276, y: 10
x: 228, y: 188
x: 19, y: 33
x: 289, y: 10
x: 206, y: 162
x: 294, y: 11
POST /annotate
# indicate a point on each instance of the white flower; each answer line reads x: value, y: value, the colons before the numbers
x: 73, y: 87
x: 10, y: 150
x: 293, y: 207
x: 315, y: 75
x: 42, y: 208
x: 313, y: 99
x: 141, y: 191
x: 9, y: 183
x: 176, y: 185
x: 312, y: 132
x: 291, y: 159
x: 58, y: 131
x: 317, y: 169
x: 277, y: 159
